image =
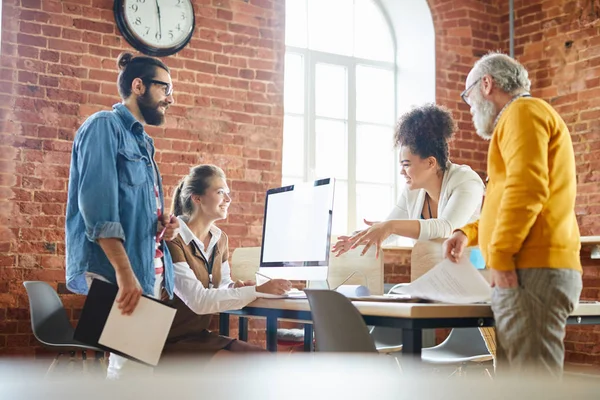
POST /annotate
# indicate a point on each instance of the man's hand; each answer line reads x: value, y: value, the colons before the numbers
x: 130, y: 290
x: 454, y: 246
x: 168, y: 227
x: 504, y: 279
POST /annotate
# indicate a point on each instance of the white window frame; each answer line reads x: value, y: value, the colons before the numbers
x: 310, y: 59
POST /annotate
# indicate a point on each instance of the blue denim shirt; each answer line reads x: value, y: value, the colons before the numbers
x: 111, y: 195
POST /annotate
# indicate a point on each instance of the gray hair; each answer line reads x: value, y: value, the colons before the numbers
x: 507, y: 72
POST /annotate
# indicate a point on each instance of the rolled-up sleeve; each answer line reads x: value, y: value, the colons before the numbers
x: 98, y: 185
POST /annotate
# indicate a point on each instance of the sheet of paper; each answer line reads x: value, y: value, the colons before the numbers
x: 141, y: 335
x: 290, y: 295
x: 448, y: 282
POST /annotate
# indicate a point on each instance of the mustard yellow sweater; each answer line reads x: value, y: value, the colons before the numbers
x: 528, y: 217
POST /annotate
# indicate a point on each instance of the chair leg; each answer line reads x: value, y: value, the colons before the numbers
x: 101, y: 359
x: 72, y: 358
x: 53, y: 365
x: 488, y: 373
x: 83, y: 361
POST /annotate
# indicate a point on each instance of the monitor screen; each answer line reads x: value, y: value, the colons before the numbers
x: 297, y: 230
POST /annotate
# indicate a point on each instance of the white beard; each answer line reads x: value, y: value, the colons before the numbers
x: 483, y: 112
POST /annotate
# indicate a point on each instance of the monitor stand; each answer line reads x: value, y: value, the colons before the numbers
x: 317, y: 285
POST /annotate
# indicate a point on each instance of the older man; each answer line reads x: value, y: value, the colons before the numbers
x: 527, y: 230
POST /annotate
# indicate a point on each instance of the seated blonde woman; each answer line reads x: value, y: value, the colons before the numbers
x: 200, y: 253
x: 438, y: 197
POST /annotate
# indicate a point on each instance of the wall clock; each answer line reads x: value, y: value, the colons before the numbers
x: 155, y: 27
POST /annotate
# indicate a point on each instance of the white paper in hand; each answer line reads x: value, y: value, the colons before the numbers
x: 142, y: 334
x: 448, y: 282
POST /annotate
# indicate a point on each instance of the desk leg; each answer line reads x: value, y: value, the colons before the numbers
x: 308, y: 337
x: 243, y: 329
x: 272, y: 334
x: 224, y: 324
x: 412, y: 342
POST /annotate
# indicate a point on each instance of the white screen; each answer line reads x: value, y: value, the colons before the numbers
x: 297, y: 224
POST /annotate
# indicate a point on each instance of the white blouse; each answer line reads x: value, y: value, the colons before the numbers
x: 217, y: 298
x: 459, y: 204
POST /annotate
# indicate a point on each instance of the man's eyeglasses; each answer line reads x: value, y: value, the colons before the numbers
x: 168, y: 86
x: 465, y: 94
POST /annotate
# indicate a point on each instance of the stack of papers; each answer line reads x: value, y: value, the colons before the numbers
x: 448, y: 282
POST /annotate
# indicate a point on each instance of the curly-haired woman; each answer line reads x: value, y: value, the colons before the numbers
x: 439, y: 196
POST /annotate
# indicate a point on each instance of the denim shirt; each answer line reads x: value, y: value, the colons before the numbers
x: 111, y: 195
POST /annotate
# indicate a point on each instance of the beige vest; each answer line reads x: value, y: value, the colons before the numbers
x: 187, y: 325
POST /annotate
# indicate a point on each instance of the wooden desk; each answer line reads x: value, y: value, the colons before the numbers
x: 410, y: 317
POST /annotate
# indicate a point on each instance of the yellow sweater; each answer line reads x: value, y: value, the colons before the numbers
x: 528, y: 217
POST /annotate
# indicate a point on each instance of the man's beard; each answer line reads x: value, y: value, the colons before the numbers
x: 149, y: 109
x: 484, y: 113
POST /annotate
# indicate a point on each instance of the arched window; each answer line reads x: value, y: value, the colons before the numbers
x: 340, y: 105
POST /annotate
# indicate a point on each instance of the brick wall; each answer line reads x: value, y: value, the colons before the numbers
x: 58, y: 66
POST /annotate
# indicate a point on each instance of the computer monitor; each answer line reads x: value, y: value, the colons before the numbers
x: 297, y: 231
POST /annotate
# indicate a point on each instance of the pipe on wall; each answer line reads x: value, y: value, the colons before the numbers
x: 511, y: 27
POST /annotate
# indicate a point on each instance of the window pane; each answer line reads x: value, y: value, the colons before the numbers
x: 295, y: 23
x: 373, y: 202
x: 340, y: 208
x: 374, y: 95
x: 375, y: 155
x: 331, y: 148
x: 330, y: 26
x: 290, y: 180
x: 372, y: 36
x: 294, y: 83
x: 293, y: 146
x: 330, y: 91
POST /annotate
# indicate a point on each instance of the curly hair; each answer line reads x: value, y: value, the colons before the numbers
x: 426, y: 131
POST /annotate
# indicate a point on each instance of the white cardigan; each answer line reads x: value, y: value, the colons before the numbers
x: 459, y: 204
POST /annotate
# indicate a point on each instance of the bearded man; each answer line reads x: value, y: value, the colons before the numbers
x: 527, y: 230
x: 115, y: 225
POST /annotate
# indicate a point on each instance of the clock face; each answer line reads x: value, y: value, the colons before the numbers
x: 156, y: 27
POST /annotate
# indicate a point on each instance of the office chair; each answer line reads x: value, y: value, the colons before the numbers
x: 51, y: 325
x: 339, y: 327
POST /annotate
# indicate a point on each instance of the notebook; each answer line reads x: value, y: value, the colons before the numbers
x: 140, y: 336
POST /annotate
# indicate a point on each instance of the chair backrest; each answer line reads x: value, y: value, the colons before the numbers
x: 338, y: 325
x: 244, y: 263
x: 425, y: 255
x: 466, y: 341
x: 368, y: 269
x: 49, y: 320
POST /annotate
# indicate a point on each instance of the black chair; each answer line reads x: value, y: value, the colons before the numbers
x: 51, y: 325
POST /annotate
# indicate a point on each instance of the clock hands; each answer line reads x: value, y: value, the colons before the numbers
x: 158, y: 13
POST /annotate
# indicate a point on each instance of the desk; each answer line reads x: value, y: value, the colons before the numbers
x: 410, y: 317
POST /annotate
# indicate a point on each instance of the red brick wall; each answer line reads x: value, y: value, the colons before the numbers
x: 58, y: 67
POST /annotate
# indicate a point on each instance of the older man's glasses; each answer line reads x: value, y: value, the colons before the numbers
x: 168, y: 87
x: 465, y: 94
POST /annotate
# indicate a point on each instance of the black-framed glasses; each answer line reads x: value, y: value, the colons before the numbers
x: 168, y: 86
x: 465, y: 94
